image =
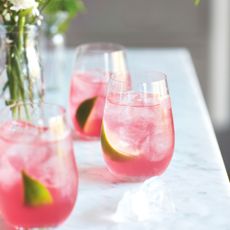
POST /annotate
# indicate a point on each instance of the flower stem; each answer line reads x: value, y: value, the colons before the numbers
x: 21, y: 24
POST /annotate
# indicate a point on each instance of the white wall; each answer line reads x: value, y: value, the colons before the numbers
x: 219, y: 63
x: 148, y: 23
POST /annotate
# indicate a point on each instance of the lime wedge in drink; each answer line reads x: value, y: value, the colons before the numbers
x: 93, y: 125
x: 35, y: 193
x: 111, y: 152
x: 84, y: 111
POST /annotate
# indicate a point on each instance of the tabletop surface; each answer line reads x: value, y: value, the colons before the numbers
x: 196, y: 181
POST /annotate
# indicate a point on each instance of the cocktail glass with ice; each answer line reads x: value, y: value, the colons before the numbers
x: 38, y: 173
x: 137, y: 132
x: 95, y: 63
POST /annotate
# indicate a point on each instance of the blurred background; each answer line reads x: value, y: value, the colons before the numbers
x: 204, y: 30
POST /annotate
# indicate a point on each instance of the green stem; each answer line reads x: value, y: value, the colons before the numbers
x: 30, y: 83
x: 45, y: 5
x: 20, y: 84
x: 16, y: 64
x: 10, y: 75
x: 20, y: 57
x: 22, y: 49
x: 21, y: 24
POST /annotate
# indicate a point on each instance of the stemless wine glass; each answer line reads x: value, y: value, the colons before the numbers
x: 94, y: 64
x: 38, y: 173
x: 137, y: 132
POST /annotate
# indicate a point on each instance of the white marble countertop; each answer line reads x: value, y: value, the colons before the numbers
x: 196, y: 177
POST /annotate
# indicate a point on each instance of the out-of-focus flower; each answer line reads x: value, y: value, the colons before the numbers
x: 23, y: 4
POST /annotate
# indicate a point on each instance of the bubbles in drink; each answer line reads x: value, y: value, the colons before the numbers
x: 139, y: 126
x: 45, y: 158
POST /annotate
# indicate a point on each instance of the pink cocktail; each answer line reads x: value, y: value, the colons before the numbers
x: 138, y: 134
x: 94, y: 64
x: 38, y: 174
x: 87, y: 99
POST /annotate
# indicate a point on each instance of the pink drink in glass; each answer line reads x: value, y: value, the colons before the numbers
x: 29, y: 149
x: 137, y: 135
x: 88, y: 86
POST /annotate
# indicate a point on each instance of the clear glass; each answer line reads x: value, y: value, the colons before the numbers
x: 137, y: 133
x: 95, y: 63
x: 38, y: 172
x: 52, y: 49
x: 20, y: 70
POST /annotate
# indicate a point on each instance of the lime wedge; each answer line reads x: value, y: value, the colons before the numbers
x: 84, y: 110
x: 35, y: 193
x: 110, y: 151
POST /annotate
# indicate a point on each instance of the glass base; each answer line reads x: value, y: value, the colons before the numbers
x: 132, y: 179
x: 80, y: 137
x: 21, y: 228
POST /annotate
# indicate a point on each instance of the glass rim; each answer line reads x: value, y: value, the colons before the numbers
x: 154, y: 72
x: 37, y: 103
x: 60, y: 113
x: 148, y: 82
x: 94, y: 47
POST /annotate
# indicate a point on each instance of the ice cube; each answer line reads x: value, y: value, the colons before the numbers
x: 8, y: 175
x: 20, y: 131
x: 160, y: 146
x: 151, y: 201
x: 53, y: 171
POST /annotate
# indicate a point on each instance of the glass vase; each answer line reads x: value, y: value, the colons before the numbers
x: 52, y: 52
x: 20, y: 70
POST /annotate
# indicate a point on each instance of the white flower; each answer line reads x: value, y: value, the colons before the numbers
x: 23, y: 4
x: 7, y: 17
